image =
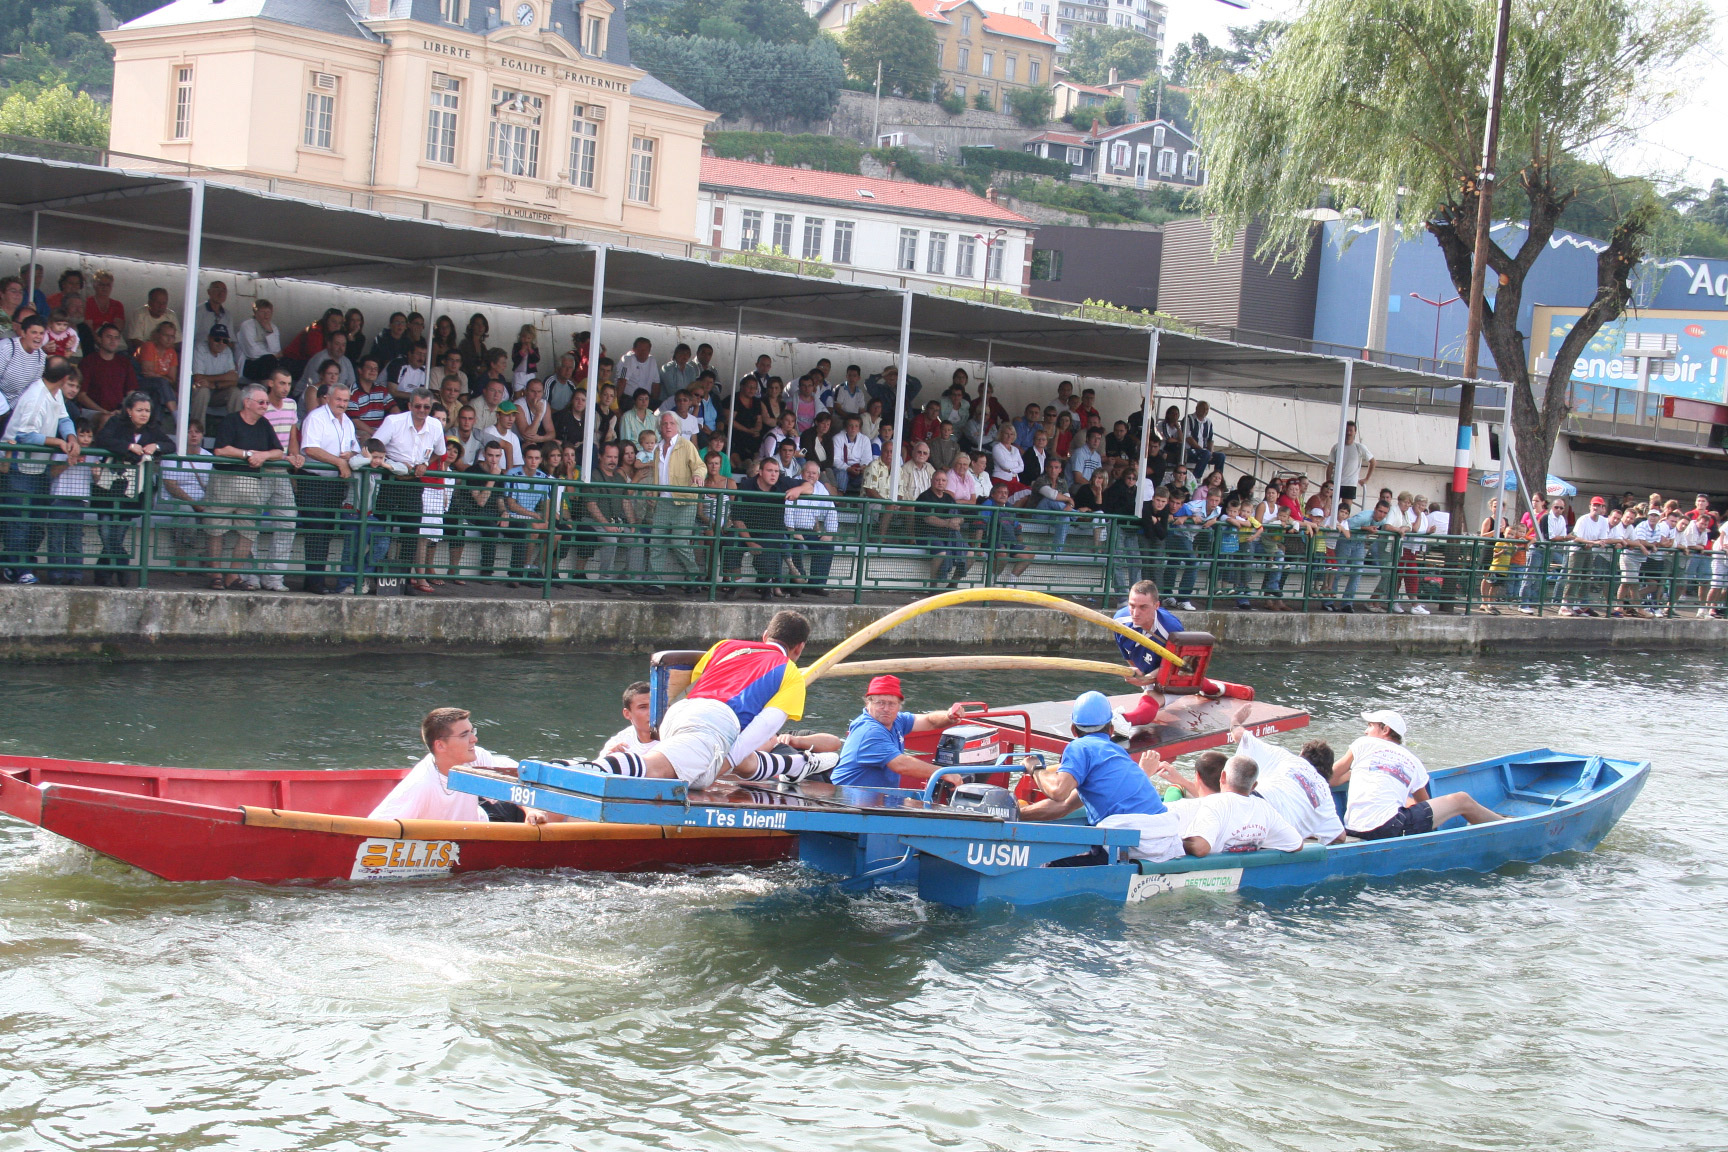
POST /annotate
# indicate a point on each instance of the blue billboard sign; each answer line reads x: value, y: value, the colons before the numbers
x: 1698, y: 369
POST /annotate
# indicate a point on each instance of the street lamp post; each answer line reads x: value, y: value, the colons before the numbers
x: 1439, y: 306
x: 990, y: 242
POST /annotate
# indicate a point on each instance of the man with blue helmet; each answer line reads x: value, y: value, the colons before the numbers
x: 1143, y: 614
x: 1115, y: 792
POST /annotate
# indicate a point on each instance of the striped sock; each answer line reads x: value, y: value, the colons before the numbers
x: 622, y: 764
x: 772, y: 764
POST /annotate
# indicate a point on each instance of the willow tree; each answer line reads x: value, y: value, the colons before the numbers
x: 1377, y: 107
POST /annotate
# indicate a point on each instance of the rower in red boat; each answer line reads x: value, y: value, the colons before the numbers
x: 1143, y: 614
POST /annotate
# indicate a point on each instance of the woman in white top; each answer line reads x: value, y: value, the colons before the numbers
x: 259, y: 342
x: 1006, y: 461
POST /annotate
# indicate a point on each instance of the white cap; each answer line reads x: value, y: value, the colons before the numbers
x: 1386, y: 716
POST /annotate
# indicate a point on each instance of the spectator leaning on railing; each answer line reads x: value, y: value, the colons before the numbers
x: 677, y: 464
x: 39, y: 420
x: 813, y: 521
x: 245, y: 443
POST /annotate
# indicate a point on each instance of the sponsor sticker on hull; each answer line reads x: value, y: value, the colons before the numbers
x: 403, y: 859
x: 1219, y: 880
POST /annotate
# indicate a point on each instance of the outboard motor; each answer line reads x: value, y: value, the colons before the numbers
x: 986, y: 800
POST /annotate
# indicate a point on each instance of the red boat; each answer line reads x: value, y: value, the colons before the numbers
x: 191, y: 824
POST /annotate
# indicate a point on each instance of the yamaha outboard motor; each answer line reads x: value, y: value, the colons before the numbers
x: 986, y: 800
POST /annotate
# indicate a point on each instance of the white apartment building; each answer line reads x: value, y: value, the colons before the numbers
x: 943, y: 235
x: 1060, y: 18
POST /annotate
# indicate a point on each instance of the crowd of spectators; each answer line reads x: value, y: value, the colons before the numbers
x: 440, y: 439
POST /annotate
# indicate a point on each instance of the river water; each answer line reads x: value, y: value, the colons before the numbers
x: 1573, y: 1004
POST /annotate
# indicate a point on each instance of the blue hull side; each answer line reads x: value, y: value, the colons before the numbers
x: 1575, y: 827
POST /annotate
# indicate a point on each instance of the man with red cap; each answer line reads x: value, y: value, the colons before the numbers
x: 874, y: 752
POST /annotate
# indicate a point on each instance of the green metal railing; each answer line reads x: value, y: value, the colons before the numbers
x: 373, y: 531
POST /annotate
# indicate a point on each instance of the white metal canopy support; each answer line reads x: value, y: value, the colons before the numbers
x: 984, y: 400
x: 1338, y: 453
x: 1146, y: 423
x: 432, y: 311
x: 189, y: 313
x: 598, y: 307
x: 903, y: 365
x: 33, y: 285
x: 737, y: 348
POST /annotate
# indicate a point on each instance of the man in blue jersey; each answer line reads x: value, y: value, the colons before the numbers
x: 874, y: 753
x: 1115, y: 792
x: 1143, y: 614
x: 741, y: 693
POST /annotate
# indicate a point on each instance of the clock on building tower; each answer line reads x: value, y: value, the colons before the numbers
x: 525, y: 15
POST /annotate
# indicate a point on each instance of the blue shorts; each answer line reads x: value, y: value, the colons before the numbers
x: 1411, y: 821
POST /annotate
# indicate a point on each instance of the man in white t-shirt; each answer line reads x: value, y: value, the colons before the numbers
x: 1236, y: 820
x: 1356, y: 459
x: 1389, y: 786
x: 425, y: 793
x: 638, y: 735
x: 1299, y: 787
x: 1591, y: 533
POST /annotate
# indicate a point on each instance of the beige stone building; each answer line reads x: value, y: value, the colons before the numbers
x: 528, y: 109
x: 981, y: 52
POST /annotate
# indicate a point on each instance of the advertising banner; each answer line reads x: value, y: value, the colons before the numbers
x: 1699, y: 370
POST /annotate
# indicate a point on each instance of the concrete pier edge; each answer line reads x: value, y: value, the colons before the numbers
x: 49, y: 623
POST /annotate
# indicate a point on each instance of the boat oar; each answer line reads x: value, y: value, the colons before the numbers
x: 978, y: 664
x: 973, y: 595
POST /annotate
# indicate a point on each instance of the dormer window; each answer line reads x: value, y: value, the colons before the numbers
x: 595, y: 36
x: 453, y: 11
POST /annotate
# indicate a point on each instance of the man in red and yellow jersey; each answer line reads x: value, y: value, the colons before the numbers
x: 741, y: 693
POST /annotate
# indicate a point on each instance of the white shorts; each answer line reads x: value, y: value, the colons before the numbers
x: 1160, y: 835
x: 1719, y: 572
x: 696, y: 736
x: 1631, y: 564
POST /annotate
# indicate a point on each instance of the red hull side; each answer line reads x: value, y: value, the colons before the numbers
x: 178, y: 840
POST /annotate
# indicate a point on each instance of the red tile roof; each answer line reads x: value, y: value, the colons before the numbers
x: 837, y: 187
x: 936, y: 11
x: 1016, y: 27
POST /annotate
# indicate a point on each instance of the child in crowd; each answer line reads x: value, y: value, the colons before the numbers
x: 62, y: 338
x: 69, y: 492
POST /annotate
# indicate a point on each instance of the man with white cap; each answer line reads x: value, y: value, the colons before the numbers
x: 1389, y: 786
x: 874, y: 752
x: 1116, y: 793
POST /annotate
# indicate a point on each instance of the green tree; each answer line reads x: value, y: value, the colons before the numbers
x: 892, y: 33
x: 1111, y: 112
x: 1092, y: 52
x: 773, y: 21
x: 1379, y: 105
x: 56, y: 114
x: 770, y: 82
x: 1188, y: 59
x: 1032, y: 106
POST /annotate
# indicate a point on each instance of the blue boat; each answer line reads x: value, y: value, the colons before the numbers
x: 1555, y: 802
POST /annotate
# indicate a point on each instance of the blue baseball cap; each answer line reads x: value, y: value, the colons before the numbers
x: 1092, y: 710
